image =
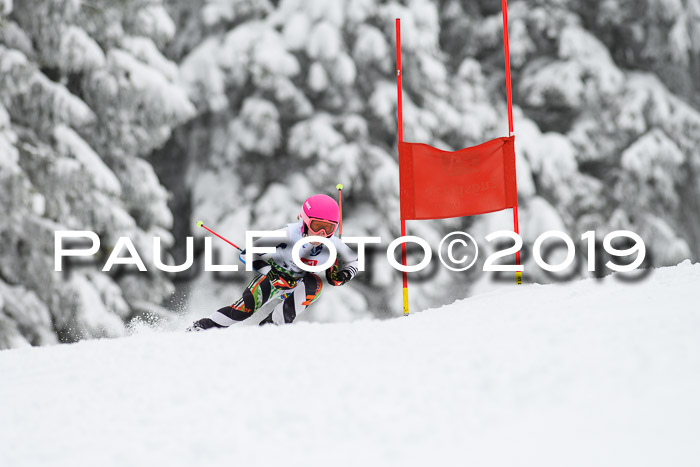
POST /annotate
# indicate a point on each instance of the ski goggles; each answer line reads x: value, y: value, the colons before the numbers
x: 322, y: 228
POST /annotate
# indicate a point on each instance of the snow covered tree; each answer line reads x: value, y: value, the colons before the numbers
x: 295, y: 96
x: 299, y: 96
x: 608, y: 144
x: 85, y: 95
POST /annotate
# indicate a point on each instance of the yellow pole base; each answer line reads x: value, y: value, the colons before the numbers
x: 405, y: 301
x: 519, y: 277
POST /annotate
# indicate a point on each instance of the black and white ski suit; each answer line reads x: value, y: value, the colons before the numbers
x: 279, y: 278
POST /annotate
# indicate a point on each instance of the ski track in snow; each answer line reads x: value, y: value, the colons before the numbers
x: 591, y: 373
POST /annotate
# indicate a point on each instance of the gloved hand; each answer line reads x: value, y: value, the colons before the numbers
x: 337, y: 277
x: 280, y: 279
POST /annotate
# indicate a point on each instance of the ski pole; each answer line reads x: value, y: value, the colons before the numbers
x: 339, y: 186
x: 201, y: 224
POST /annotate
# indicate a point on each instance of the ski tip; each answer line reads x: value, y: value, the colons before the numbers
x: 200, y: 223
x: 339, y: 186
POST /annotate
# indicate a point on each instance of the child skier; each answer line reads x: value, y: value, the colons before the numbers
x: 278, y: 278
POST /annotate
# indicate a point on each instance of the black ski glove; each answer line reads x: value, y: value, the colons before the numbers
x: 336, y: 277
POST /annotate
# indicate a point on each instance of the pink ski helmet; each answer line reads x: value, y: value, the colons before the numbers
x: 320, y: 214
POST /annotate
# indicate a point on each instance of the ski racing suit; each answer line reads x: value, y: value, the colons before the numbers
x: 279, y: 278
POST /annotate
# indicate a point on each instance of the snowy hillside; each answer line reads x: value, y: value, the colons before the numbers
x: 583, y: 374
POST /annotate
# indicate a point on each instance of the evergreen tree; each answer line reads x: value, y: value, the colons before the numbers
x: 609, y: 145
x: 300, y: 96
x: 85, y: 96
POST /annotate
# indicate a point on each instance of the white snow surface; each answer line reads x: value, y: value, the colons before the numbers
x: 591, y: 373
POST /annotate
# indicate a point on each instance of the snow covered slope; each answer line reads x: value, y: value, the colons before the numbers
x: 583, y: 374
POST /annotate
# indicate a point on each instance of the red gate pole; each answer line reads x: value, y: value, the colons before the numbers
x: 400, y: 110
x: 509, y: 93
